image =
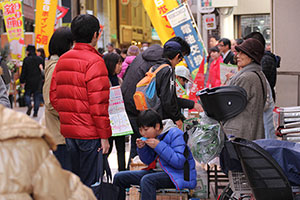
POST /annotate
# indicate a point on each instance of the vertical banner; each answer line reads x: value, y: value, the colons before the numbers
x: 181, y: 22
x: 13, y: 19
x: 156, y: 10
x: 44, y: 23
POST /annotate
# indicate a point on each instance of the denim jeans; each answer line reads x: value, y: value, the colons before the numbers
x: 84, y: 159
x: 36, y: 99
x: 148, y: 180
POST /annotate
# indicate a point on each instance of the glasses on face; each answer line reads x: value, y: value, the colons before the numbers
x: 221, y: 45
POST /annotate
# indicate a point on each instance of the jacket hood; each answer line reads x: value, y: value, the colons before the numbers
x: 153, y: 53
x: 129, y: 59
x: 168, y: 124
x: 18, y: 125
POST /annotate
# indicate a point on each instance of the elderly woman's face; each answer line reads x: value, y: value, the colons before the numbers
x: 243, y: 60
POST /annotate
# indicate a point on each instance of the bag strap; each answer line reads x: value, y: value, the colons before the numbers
x: 186, y: 167
x: 159, y: 68
x: 262, y: 85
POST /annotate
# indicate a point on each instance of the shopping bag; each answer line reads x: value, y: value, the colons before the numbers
x: 104, y: 190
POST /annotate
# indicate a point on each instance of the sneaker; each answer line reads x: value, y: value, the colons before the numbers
x: 29, y: 110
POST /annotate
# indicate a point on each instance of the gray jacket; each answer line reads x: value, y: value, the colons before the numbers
x: 249, y: 123
x: 3, y: 94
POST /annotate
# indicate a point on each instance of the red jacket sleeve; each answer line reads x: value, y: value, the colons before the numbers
x: 98, y: 97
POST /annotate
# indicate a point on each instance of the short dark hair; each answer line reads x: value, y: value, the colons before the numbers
x: 214, y: 49
x: 185, y: 47
x: 61, y: 41
x: 258, y: 36
x: 111, y: 60
x: 83, y: 28
x: 239, y: 41
x: 215, y: 36
x: 149, y: 118
x: 226, y: 42
x: 101, y: 50
x: 31, y: 49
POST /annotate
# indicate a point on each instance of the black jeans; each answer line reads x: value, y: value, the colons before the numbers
x: 120, y: 146
x: 84, y: 159
x: 136, y: 134
x: 63, y: 156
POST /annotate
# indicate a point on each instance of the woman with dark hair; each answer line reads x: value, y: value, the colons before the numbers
x: 214, y: 79
x: 41, y: 53
x: 113, y: 63
x: 60, y: 42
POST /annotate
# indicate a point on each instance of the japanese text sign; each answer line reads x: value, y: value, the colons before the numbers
x: 156, y: 10
x: 181, y: 23
x: 210, y: 21
x: 119, y: 121
x: 44, y: 23
x: 13, y: 19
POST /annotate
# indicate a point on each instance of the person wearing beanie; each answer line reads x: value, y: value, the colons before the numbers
x: 132, y: 52
x: 249, y: 123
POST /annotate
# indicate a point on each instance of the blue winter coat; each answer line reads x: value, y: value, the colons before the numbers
x: 170, y: 151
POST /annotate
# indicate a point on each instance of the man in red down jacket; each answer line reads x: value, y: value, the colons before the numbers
x: 79, y: 91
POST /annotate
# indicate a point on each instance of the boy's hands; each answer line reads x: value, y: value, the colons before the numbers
x: 140, y: 143
x: 152, y: 142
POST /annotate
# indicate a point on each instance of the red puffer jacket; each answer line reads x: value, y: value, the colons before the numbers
x: 79, y: 91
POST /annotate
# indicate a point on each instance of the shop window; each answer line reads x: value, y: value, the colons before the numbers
x: 259, y: 23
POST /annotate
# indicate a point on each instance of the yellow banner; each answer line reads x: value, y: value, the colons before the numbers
x: 45, y: 16
x: 13, y: 19
x: 156, y: 10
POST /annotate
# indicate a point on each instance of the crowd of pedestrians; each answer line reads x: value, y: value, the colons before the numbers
x: 75, y: 82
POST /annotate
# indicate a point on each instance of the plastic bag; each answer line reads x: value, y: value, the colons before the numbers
x: 205, y: 138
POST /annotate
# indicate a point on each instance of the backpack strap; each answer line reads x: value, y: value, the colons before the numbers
x: 186, y: 167
x: 159, y: 68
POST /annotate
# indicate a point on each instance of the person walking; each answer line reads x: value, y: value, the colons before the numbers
x: 79, y: 92
x: 31, y: 75
x: 60, y: 42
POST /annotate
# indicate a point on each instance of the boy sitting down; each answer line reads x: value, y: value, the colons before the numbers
x: 163, y: 152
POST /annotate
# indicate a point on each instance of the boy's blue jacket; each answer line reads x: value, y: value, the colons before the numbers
x: 170, y: 151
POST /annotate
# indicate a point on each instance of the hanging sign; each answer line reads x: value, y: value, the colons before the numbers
x: 210, y: 21
x: 13, y: 19
x: 45, y: 17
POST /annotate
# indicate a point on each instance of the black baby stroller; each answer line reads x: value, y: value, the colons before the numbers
x: 248, y: 165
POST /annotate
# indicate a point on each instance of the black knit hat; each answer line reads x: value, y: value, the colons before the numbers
x: 252, y: 48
